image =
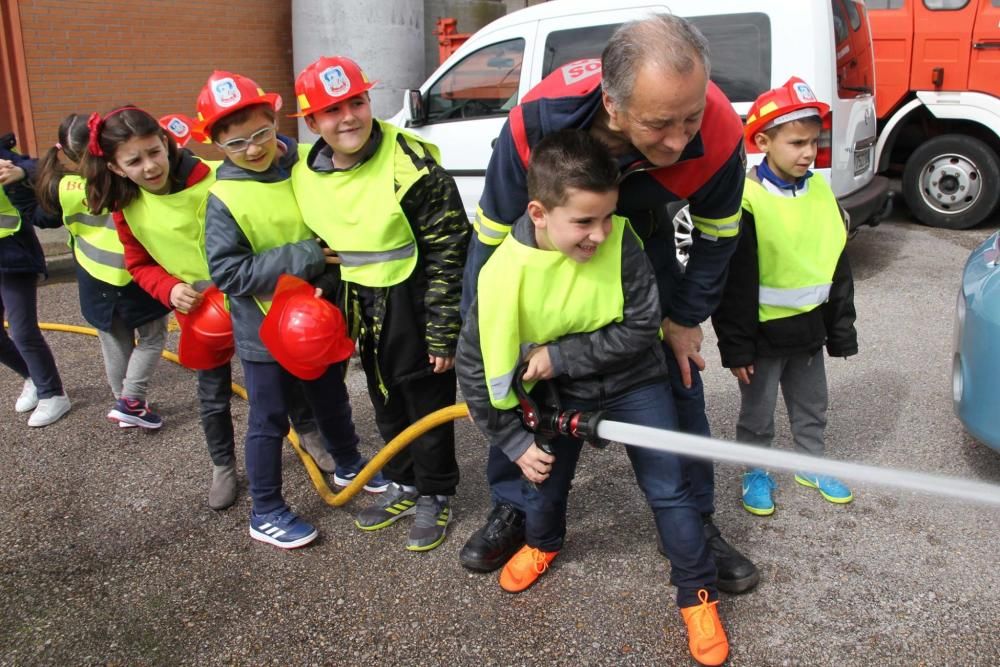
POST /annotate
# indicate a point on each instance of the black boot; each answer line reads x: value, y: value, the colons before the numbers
x: 493, y: 545
x: 736, y: 573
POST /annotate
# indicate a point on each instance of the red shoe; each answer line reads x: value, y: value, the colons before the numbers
x: 706, y: 638
x: 524, y: 568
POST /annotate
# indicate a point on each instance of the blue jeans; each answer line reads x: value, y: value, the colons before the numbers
x: 691, y: 418
x: 504, y: 477
x: 270, y: 389
x: 25, y: 351
x: 663, y: 478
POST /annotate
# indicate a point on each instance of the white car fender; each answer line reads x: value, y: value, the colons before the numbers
x: 946, y: 105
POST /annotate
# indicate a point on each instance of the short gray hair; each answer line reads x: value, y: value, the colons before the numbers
x: 662, y: 39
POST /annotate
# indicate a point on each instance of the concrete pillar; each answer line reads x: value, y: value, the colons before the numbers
x: 471, y: 15
x: 385, y: 37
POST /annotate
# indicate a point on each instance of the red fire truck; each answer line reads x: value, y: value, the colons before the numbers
x: 938, y: 104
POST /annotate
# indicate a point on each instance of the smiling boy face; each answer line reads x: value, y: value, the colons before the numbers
x: 345, y: 127
x: 578, y: 226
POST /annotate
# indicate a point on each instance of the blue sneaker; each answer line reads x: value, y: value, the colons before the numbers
x: 830, y: 488
x: 282, y: 528
x: 345, y: 474
x: 757, y: 487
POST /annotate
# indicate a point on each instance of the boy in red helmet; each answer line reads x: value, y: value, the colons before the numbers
x: 377, y: 195
x: 789, y: 291
x: 254, y: 234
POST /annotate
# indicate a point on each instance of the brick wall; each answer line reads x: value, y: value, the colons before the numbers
x: 89, y: 55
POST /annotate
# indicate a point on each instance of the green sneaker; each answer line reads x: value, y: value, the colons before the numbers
x: 431, y: 524
x: 391, y: 506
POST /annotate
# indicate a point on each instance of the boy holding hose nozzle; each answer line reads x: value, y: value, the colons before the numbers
x: 570, y: 294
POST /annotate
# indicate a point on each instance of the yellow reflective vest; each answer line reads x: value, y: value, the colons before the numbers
x: 528, y: 297
x: 171, y: 228
x: 799, y: 242
x: 266, y: 213
x: 93, y: 238
x: 10, y: 218
x: 357, y: 212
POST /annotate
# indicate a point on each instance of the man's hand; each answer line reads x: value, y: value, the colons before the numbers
x: 539, y: 364
x: 184, y: 298
x: 535, y: 464
x: 441, y: 364
x: 686, y: 345
x: 743, y: 373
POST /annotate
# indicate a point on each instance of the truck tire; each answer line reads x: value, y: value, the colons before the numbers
x: 952, y: 181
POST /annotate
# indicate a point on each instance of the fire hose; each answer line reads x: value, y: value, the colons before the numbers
x: 549, y: 421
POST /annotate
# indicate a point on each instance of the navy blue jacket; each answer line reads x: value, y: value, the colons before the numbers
x: 20, y: 252
x: 709, y: 175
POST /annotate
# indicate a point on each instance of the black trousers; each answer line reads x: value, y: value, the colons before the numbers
x: 428, y: 463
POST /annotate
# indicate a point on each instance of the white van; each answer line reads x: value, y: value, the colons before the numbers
x: 755, y: 46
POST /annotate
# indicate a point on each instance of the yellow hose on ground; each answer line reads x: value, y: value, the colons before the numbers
x: 393, y: 447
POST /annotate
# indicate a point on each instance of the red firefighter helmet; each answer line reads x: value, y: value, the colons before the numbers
x: 326, y: 82
x: 181, y: 128
x: 224, y: 93
x: 792, y: 101
x: 304, y: 333
x: 206, y: 333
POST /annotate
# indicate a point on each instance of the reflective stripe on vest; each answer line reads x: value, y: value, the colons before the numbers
x: 93, y: 238
x: 357, y: 212
x: 10, y: 218
x: 799, y: 242
x: 266, y: 213
x: 529, y: 297
x: 172, y: 229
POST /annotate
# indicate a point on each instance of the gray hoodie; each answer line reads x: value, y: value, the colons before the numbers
x: 239, y: 272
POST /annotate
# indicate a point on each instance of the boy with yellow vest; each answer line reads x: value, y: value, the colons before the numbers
x: 378, y: 197
x: 570, y: 293
x: 253, y: 234
x: 789, y: 290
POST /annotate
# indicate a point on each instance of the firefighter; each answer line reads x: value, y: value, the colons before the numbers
x: 675, y: 136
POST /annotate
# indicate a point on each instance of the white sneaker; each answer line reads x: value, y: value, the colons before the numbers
x: 49, y: 410
x: 28, y: 399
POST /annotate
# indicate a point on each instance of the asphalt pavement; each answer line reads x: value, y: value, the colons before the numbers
x: 109, y: 554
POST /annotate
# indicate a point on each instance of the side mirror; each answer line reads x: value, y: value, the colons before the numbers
x: 414, y: 104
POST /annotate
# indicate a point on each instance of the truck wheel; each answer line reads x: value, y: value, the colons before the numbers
x: 952, y: 181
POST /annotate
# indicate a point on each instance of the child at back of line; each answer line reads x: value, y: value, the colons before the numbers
x: 22, y: 263
x: 378, y: 197
x: 789, y: 291
x: 131, y: 325
x: 254, y: 233
x: 570, y: 294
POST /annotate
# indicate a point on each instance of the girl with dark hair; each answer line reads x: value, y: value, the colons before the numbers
x: 131, y: 325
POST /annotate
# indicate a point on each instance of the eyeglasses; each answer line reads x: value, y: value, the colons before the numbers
x: 258, y: 138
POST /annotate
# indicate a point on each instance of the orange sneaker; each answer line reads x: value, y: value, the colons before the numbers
x: 524, y: 568
x: 706, y: 638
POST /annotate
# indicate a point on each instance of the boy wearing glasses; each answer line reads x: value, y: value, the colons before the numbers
x: 253, y: 234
